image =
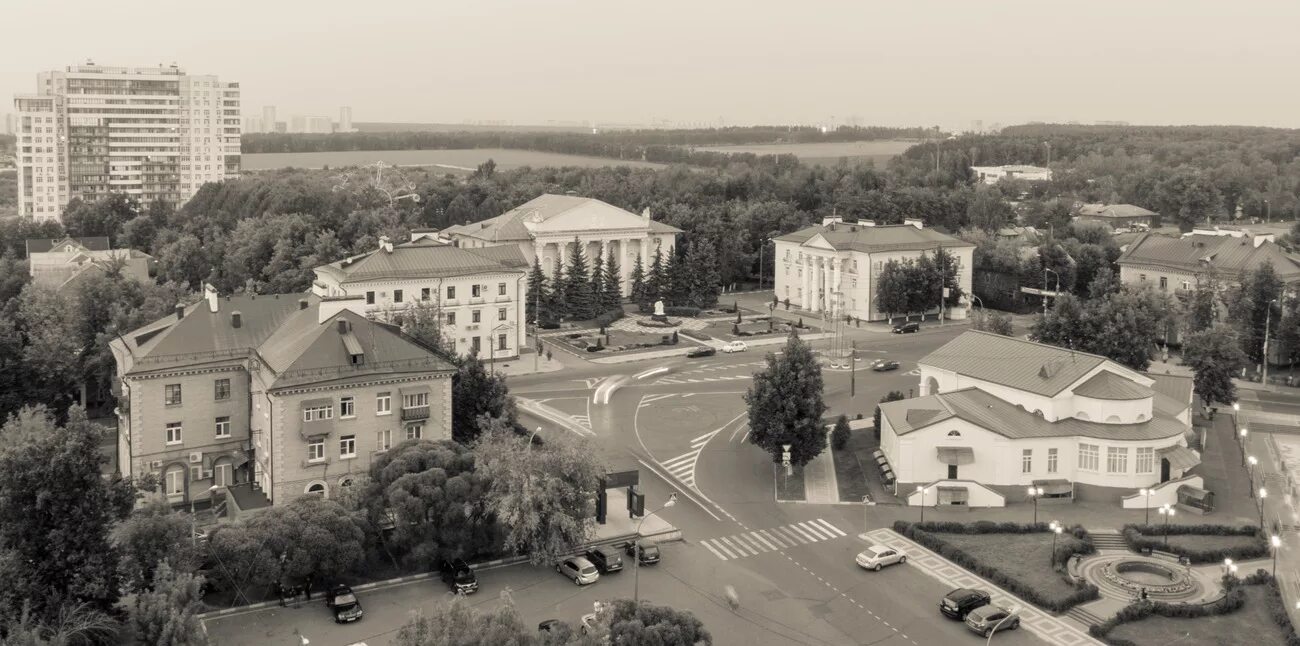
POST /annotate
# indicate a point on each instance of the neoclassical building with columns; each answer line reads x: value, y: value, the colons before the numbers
x: 547, y: 227
x: 833, y: 267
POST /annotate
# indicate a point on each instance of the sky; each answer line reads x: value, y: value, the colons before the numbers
x: 895, y: 63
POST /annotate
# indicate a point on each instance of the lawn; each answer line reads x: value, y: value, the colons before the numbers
x: 789, y: 488
x: 1024, y: 557
x: 850, y: 471
x: 1200, y: 542
x: 1252, y: 623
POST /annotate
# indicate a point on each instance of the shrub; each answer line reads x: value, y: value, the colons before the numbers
x: 549, y: 325
x: 604, y: 320
x: 840, y: 436
x: 1149, y: 537
x: 682, y: 310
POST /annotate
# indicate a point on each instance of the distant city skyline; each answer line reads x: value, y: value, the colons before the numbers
x: 675, y: 62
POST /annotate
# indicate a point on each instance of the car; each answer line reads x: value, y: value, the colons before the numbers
x: 987, y: 618
x: 579, y: 569
x: 907, y: 328
x: 590, y: 625
x: 458, y: 576
x: 605, y: 558
x: 647, y: 554
x: 701, y: 352
x: 960, y: 601
x: 735, y: 346
x: 878, y: 556
x: 343, y: 604
x: 884, y: 365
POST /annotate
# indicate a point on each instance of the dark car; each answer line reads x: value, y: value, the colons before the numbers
x: 343, y: 604
x: 646, y: 551
x: 907, y: 328
x: 605, y: 558
x: 884, y: 365
x: 549, y: 626
x: 958, y: 603
x: 458, y: 576
x: 701, y: 352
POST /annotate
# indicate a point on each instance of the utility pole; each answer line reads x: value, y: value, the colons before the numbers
x: 1268, y: 317
x: 853, y: 369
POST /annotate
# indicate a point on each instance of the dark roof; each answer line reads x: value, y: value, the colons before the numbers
x: 989, y: 412
x: 845, y: 236
x: 1108, y: 385
x: 426, y: 261
x: 91, y: 243
x: 1024, y: 365
x: 1230, y: 257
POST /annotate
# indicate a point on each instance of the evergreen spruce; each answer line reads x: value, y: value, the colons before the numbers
x: 555, y: 304
x: 598, y: 283
x: 638, y: 282
x: 612, y: 297
x: 701, y: 270
x: 538, y: 299
x: 680, y: 281
x: 578, y: 298
x: 655, y: 278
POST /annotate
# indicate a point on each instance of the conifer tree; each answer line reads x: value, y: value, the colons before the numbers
x: 598, y: 283
x: 638, y: 292
x: 701, y: 270
x: 655, y: 278
x: 578, y: 299
x: 612, y: 297
x: 555, y: 304
x: 679, y: 284
x: 538, y: 299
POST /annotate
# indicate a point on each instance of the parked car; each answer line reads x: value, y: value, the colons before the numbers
x: 703, y: 351
x: 646, y: 551
x: 343, y: 604
x: 907, y: 328
x: 959, y: 602
x: 459, y: 576
x: 878, y: 556
x: 605, y: 558
x: 735, y: 346
x: 884, y: 365
x: 986, y: 618
x: 579, y: 569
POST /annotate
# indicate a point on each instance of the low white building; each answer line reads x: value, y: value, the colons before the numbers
x: 995, y: 174
x: 479, y: 292
x: 833, y: 267
x: 998, y: 414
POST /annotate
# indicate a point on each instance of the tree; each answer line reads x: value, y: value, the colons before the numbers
x: 455, y: 622
x: 785, y: 404
x: 656, y: 280
x: 167, y: 614
x: 612, y: 297
x: 103, y: 217
x: 644, y: 623
x: 537, y: 296
x: 422, y: 321
x: 840, y: 436
x: 892, y: 396
x: 598, y: 284
x: 553, y: 302
x: 1255, y: 306
x: 56, y: 510
x: 243, y: 558
x: 1216, y: 355
x: 997, y: 323
x: 638, y: 291
x: 1203, y: 311
x: 1123, y: 326
x: 701, y: 267
x: 892, y: 288
x: 311, y: 538
x: 987, y: 210
x: 476, y: 393
x: 680, y: 281
x: 542, y: 497
x: 73, y: 625
x: 154, y: 534
x: 579, y: 299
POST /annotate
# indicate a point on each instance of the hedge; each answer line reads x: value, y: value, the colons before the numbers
x: 671, y: 310
x: 927, y: 534
x: 1140, y: 537
x: 1229, y: 603
x: 608, y: 317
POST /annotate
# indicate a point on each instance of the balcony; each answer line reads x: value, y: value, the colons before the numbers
x: 415, y: 413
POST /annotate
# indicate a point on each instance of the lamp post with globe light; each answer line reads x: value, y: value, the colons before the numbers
x: 1263, y: 493
x: 1276, y: 542
x: 1168, y: 512
x: 1035, y: 492
x: 1241, y: 435
x: 921, y: 490
x: 1147, y: 493
x: 1251, y: 461
x: 1056, y: 528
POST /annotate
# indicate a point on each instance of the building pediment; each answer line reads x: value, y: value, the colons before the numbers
x: 819, y: 242
x: 594, y: 216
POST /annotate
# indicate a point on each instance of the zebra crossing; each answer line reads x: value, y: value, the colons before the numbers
x: 682, y: 467
x: 738, y: 546
x: 699, y: 380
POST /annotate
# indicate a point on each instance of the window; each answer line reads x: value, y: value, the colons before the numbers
x: 1088, y: 457
x: 954, y: 433
x: 414, y: 431
x: 475, y: 291
x: 370, y: 298
x: 316, y: 450
x: 451, y: 318
x: 316, y: 488
x: 173, y: 432
x: 424, y: 294
x: 172, y: 394
x: 347, y: 407
x: 223, y: 426
x: 1186, y: 285
x: 315, y: 413
x: 1051, y: 460
x: 175, y: 482
x: 1117, y: 459
x: 501, y: 289
x: 384, y: 440
x: 476, y: 344
x: 384, y: 404
x: 1026, y: 460
x: 1164, y: 283
x: 451, y: 293
x: 501, y: 342
x: 415, y: 399
x: 501, y: 313
x: 1142, y: 276
x: 1146, y: 459
x: 397, y: 295
x: 475, y: 317
x: 348, y: 446
x: 221, y: 389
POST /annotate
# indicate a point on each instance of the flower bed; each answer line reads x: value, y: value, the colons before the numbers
x: 1251, y: 607
x: 1200, y: 543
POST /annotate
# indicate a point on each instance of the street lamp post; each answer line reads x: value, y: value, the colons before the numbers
x: 194, y: 529
x: 1147, y: 493
x: 762, y: 251
x: 529, y: 448
x: 1035, y: 492
x: 1251, y: 461
x: 636, y: 549
x: 921, y: 490
x: 1276, y: 543
x: 1056, y: 528
x: 1241, y: 434
x: 1168, y: 512
x: 1263, y: 493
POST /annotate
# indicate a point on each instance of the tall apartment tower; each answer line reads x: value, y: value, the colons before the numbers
x: 345, y: 119
x: 268, y: 118
x: 155, y: 133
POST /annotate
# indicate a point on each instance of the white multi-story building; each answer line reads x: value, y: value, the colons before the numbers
x: 310, y: 124
x: 995, y: 174
x: 152, y: 133
x: 478, y: 293
x: 268, y: 118
x: 834, y: 267
x: 345, y: 119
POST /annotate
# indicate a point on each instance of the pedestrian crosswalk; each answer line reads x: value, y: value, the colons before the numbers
x: 683, y: 466
x: 753, y: 543
x: 699, y: 380
x: 583, y: 421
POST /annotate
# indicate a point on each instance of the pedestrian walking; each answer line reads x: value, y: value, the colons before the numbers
x: 733, y: 599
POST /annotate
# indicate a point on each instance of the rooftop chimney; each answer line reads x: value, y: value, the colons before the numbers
x: 385, y: 244
x: 302, y: 303
x: 236, y: 319
x: 916, y: 222
x: 210, y: 293
x: 180, y: 311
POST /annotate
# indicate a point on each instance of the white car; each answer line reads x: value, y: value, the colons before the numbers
x: 735, y: 346
x: 878, y: 556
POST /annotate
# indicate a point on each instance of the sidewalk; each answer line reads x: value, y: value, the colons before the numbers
x: 819, y: 483
x: 528, y: 363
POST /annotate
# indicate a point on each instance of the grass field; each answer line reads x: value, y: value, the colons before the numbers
x: 1251, y: 624
x: 825, y: 153
x: 453, y: 161
x: 1024, y: 557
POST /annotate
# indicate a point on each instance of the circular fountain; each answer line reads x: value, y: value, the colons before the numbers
x: 1125, y: 576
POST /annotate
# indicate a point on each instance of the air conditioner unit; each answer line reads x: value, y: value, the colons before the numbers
x: 196, y: 457
x: 156, y: 464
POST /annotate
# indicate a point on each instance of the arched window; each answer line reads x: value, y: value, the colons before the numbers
x: 345, y: 481
x: 954, y: 433
x: 317, y: 488
x: 1113, y: 419
x: 1082, y: 415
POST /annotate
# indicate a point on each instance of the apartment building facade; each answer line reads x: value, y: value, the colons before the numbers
x: 152, y: 133
x: 260, y: 399
x: 478, y: 293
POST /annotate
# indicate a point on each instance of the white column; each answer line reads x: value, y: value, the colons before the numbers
x: 835, y: 276
x: 645, y: 253
x: 538, y: 248
x: 819, y: 284
x: 805, y: 280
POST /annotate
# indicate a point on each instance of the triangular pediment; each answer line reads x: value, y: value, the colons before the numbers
x: 593, y: 215
x: 819, y: 242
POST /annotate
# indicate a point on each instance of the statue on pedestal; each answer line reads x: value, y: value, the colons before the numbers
x: 659, y: 312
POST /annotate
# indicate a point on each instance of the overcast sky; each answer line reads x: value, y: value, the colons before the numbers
x: 901, y: 62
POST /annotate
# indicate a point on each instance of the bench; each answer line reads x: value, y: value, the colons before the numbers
x: 1167, y: 556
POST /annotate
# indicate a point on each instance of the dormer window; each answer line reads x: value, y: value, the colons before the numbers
x: 357, y: 359
x: 954, y: 433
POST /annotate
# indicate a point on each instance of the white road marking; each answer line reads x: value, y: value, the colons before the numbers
x: 830, y: 526
x: 753, y: 543
x: 713, y: 549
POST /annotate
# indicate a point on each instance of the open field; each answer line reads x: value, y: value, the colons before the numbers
x: 825, y: 153
x: 453, y: 161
